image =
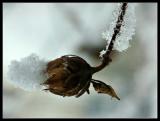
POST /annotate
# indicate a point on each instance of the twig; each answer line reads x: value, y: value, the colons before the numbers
x: 106, y: 56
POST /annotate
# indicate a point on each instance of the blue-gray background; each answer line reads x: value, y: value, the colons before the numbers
x: 52, y: 30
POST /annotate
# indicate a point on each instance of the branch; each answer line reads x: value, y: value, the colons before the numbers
x: 106, y: 56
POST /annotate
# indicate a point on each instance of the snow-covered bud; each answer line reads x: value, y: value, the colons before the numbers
x: 68, y: 75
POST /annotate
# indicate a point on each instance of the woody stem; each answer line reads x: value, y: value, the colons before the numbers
x: 106, y: 56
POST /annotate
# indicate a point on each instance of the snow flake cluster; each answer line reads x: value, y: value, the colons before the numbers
x: 28, y: 73
x: 127, y: 29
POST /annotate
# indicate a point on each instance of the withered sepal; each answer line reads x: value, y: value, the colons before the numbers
x: 101, y: 87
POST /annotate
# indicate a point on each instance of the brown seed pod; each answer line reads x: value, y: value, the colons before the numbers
x: 71, y: 75
x: 68, y: 76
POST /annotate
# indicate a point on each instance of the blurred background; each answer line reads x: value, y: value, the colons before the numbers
x: 54, y: 29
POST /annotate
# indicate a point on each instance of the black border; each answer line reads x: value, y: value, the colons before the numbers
x: 140, y: 1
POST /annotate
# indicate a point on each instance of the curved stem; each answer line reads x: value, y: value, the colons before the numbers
x: 106, y: 57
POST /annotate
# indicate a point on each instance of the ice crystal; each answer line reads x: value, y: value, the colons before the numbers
x: 127, y: 29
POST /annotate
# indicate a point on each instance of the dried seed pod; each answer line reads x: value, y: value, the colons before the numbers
x: 71, y: 76
x: 68, y: 76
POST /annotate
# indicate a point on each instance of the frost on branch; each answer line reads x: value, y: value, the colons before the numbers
x: 127, y: 29
x: 28, y: 73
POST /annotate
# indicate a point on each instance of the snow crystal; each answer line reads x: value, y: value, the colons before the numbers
x: 102, y: 53
x: 28, y: 73
x: 127, y: 29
